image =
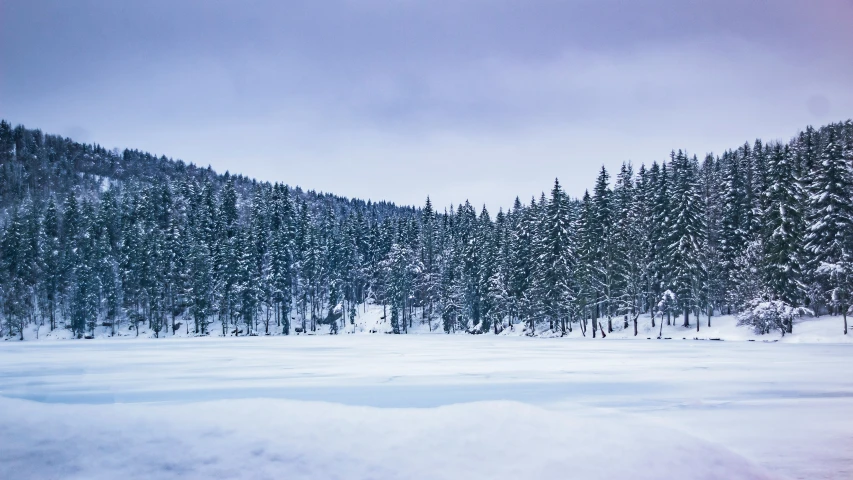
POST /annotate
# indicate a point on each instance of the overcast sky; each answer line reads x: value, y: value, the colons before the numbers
x: 399, y: 99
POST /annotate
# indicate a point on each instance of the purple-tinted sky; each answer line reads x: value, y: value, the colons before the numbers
x: 400, y: 99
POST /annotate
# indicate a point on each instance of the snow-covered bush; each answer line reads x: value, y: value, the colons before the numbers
x: 667, y: 303
x: 765, y: 316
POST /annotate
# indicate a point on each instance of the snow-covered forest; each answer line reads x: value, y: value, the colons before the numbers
x: 93, y: 238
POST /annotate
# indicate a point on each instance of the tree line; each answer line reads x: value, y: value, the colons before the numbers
x: 92, y: 237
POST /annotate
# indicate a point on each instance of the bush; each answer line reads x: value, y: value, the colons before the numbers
x: 765, y: 316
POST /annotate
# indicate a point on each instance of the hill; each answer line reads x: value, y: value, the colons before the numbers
x: 97, y: 239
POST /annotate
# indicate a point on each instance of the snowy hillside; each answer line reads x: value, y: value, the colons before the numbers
x: 765, y: 229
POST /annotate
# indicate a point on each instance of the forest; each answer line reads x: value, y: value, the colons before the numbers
x: 91, y: 237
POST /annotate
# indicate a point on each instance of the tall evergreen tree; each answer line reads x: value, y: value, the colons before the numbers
x: 557, y: 259
x: 687, y: 234
x: 783, y: 229
x: 830, y: 225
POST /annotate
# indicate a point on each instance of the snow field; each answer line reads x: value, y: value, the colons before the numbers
x: 424, y: 406
x: 271, y: 439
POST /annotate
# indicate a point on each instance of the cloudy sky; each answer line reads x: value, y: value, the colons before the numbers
x: 400, y: 99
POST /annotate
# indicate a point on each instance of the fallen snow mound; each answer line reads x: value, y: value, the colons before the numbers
x: 274, y: 439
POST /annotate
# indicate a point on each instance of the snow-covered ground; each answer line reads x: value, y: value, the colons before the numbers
x: 371, y: 319
x: 425, y: 406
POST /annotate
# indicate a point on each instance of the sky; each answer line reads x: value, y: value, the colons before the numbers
x: 398, y: 100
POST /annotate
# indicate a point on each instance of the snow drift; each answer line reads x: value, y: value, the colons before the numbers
x: 274, y: 439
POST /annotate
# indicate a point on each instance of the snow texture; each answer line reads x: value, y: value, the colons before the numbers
x: 424, y: 406
x: 370, y: 319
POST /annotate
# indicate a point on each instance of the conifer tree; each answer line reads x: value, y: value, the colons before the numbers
x: 51, y: 261
x: 783, y: 229
x: 604, y: 247
x: 557, y: 259
x: 94, y: 238
x: 687, y: 233
x: 830, y: 224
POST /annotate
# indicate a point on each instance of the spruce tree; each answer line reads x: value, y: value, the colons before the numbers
x: 830, y: 225
x: 51, y: 262
x: 557, y: 259
x: 686, y: 234
x: 783, y: 229
x: 605, y: 256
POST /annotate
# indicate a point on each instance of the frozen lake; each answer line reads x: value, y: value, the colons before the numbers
x: 675, y: 407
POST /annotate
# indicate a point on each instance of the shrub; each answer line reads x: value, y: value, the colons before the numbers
x: 764, y: 316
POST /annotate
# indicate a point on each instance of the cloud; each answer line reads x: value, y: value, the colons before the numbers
x: 395, y: 100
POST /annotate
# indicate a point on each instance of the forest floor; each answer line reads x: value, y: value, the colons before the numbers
x: 425, y: 406
x: 372, y: 319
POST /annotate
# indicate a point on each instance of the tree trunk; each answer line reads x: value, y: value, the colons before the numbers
x: 635, y: 324
x: 844, y: 314
x: 653, y: 319
x: 594, y: 326
x: 304, y: 313
x: 603, y: 335
x: 686, y: 317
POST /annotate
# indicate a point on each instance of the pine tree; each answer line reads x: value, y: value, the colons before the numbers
x: 51, y: 263
x: 712, y: 292
x: 521, y: 263
x: 398, y: 271
x: 661, y: 235
x: 687, y: 234
x: 16, y: 307
x: 588, y: 270
x: 646, y: 193
x: 734, y: 236
x: 85, y: 297
x: 498, y: 282
x: 428, y: 278
x: 557, y: 259
x: 783, y: 229
x: 830, y: 224
x: 604, y: 246
x: 486, y: 271
x: 628, y: 250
